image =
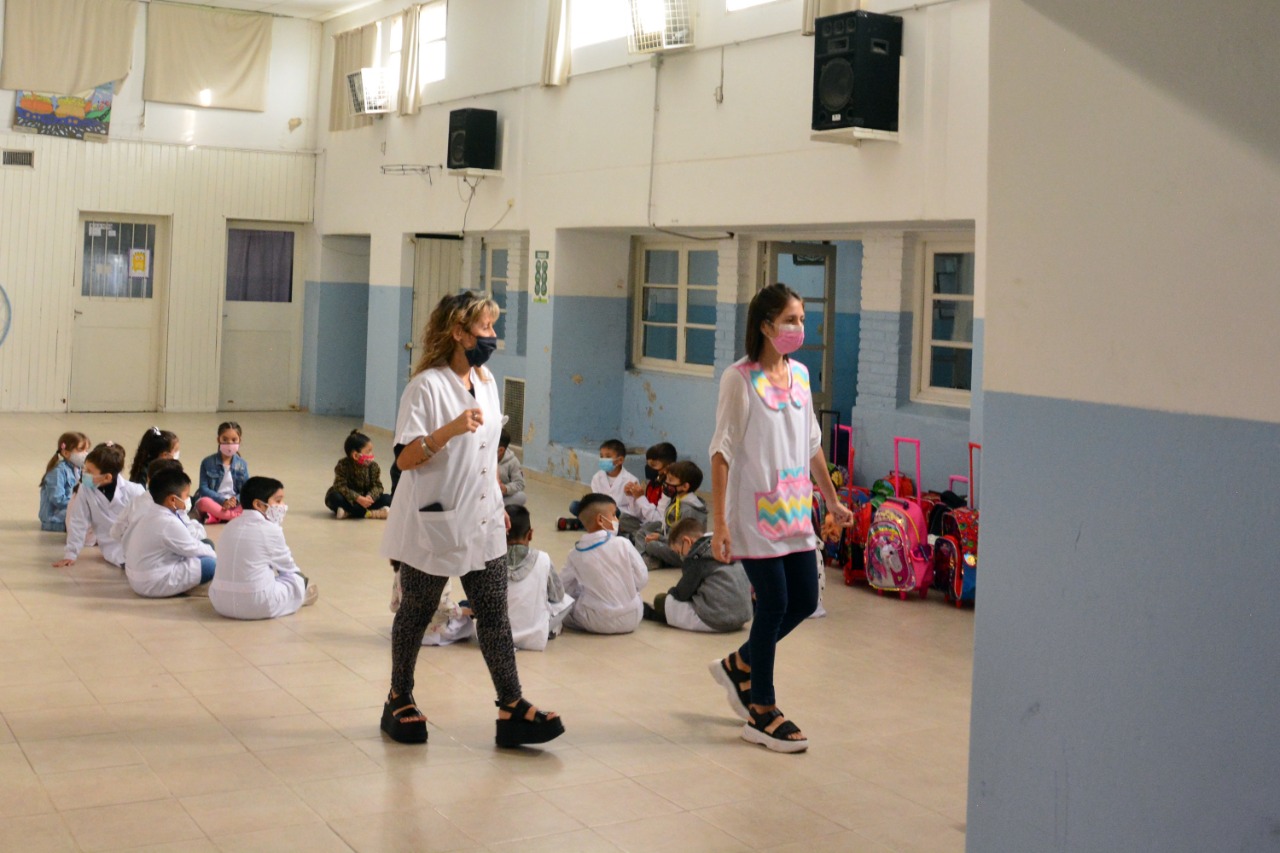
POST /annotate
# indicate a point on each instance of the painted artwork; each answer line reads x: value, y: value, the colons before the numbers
x: 86, y: 115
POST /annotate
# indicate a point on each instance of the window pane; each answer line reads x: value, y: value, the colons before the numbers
x: 259, y: 266
x: 952, y: 320
x: 661, y: 266
x: 953, y: 273
x: 597, y: 21
x: 700, y: 346
x: 499, y: 263
x: 659, y: 342
x: 704, y: 267
x: 432, y: 20
x: 700, y: 307
x: 118, y: 260
x: 500, y: 326
x: 660, y: 304
x: 951, y: 368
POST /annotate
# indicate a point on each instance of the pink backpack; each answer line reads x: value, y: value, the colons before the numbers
x: 898, y: 556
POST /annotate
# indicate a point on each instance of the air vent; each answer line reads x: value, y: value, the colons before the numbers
x: 370, y: 90
x: 20, y: 158
x: 513, y: 408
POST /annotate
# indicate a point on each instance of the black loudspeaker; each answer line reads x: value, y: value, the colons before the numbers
x: 855, y: 71
x: 473, y: 139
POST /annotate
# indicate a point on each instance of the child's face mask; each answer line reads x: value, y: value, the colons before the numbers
x: 672, y: 489
x: 229, y: 448
x: 78, y: 457
x: 607, y: 463
x: 365, y: 458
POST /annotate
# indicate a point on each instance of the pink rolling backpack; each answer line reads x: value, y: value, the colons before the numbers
x: 898, y: 557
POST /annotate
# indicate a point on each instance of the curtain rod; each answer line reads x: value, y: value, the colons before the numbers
x: 225, y: 9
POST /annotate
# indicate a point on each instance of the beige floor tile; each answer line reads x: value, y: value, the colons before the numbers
x: 317, y: 761
x: 237, y: 812
x: 930, y: 834
x: 32, y: 697
x: 233, y: 706
x: 22, y: 794
x: 642, y: 757
x: 492, y: 820
x: 239, y: 679
x: 158, y: 714
x: 48, y: 723
x: 35, y: 672
x: 209, y: 774
x: 421, y: 830
x: 841, y: 842
x: 677, y: 833
x: 131, y: 825
x: 859, y: 805
x: 544, y: 770
x: 353, y: 796
x: 46, y: 833
x: 313, y: 674
x: 581, y: 841
x: 341, y: 697
x: 104, y: 787
x: 610, y: 802
x: 191, y: 845
x: 185, y: 742
x: 769, y: 821
x: 699, y: 787
x: 81, y: 753
x: 115, y: 665
x: 152, y: 687
x: 282, y: 732
x: 312, y: 837
x: 6, y: 733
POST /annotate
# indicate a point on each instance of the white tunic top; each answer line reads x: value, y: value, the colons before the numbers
x: 162, y: 555
x: 528, y: 604
x: 93, y: 510
x: 469, y: 529
x: 614, y: 487
x: 604, y: 573
x: 767, y: 435
x: 256, y: 577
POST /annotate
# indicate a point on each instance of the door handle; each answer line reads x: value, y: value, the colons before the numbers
x: 409, y: 346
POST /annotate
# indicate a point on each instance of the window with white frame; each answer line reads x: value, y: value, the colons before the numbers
x: 598, y: 21
x: 431, y: 33
x: 735, y: 5
x: 495, y: 282
x: 387, y: 55
x: 945, y: 355
x: 675, y: 308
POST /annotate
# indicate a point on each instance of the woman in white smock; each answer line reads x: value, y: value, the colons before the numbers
x: 257, y: 577
x: 447, y: 519
x: 766, y: 445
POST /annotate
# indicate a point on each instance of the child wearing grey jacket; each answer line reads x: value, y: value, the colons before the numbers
x: 711, y: 596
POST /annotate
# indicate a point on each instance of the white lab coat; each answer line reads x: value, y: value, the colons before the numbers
x: 256, y: 577
x: 533, y: 615
x: 469, y: 530
x: 124, y: 521
x: 605, y: 574
x: 92, y: 511
x: 615, y: 487
x: 162, y: 556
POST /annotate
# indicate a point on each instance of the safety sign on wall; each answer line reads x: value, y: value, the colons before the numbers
x: 541, y: 286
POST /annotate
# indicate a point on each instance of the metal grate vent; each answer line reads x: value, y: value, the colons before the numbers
x: 513, y: 408
x: 20, y: 158
x: 658, y: 25
x: 370, y: 90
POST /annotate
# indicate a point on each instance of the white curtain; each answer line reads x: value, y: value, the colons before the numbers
x: 410, y: 53
x: 62, y: 47
x: 207, y: 57
x: 352, y: 51
x: 556, y: 54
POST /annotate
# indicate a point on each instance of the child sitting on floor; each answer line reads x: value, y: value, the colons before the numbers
x: 648, y: 502
x: 60, y: 478
x: 155, y: 444
x: 510, y: 473
x: 222, y: 476
x: 357, y: 482
x: 682, y: 481
x: 100, y: 499
x: 163, y: 557
x: 603, y: 572
x: 610, y: 478
x: 711, y: 596
x: 257, y: 577
x: 536, y: 600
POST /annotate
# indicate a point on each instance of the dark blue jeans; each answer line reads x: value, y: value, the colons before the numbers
x: 786, y: 594
x: 207, y: 566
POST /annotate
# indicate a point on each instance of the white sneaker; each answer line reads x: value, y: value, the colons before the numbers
x: 313, y: 592
x: 381, y: 512
x: 340, y: 512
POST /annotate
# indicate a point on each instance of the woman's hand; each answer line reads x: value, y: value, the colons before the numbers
x: 468, y: 421
x: 721, y: 547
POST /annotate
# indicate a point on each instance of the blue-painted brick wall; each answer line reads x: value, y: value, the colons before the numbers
x: 335, y: 348
x: 387, y: 361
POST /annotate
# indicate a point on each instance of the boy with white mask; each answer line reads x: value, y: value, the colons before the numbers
x: 257, y: 577
x: 163, y: 557
x: 603, y: 572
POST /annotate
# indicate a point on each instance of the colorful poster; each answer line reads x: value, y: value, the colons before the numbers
x: 541, y: 281
x: 139, y: 263
x: 86, y: 115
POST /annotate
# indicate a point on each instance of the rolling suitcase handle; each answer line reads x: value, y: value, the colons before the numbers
x: 956, y: 478
x: 897, y: 469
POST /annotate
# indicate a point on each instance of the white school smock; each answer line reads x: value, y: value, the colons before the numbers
x: 162, y: 557
x: 528, y: 606
x: 604, y: 573
x: 256, y: 576
x: 124, y: 521
x: 470, y: 529
x: 615, y: 487
x: 767, y: 435
x: 92, y: 511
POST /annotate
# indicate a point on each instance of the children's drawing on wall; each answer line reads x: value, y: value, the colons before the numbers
x: 85, y: 115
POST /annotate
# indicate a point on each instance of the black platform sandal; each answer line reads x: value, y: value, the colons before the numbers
x: 518, y: 730
x: 778, y: 739
x: 394, y: 725
x: 731, y: 678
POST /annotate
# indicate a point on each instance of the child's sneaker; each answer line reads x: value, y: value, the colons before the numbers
x: 313, y: 592
x: 340, y: 512
x: 569, y: 523
x: 381, y: 512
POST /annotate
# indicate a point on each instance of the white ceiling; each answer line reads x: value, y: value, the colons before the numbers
x: 315, y: 10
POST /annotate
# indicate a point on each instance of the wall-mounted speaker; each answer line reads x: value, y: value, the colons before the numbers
x: 856, y: 58
x: 473, y: 139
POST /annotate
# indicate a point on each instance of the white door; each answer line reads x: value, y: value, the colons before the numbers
x: 810, y: 270
x: 117, y: 342
x: 262, y: 318
x: 437, y: 272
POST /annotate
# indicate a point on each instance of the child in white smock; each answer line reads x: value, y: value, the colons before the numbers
x: 604, y: 573
x: 536, y: 600
x: 163, y: 557
x: 100, y: 499
x: 257, y: 577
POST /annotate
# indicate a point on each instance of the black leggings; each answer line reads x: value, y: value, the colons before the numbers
x: 335, y: 501
x: 487, y: 591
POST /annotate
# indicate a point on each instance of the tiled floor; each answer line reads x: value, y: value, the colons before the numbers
x: 130, y: 723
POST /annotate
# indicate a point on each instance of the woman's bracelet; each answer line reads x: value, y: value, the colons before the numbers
x: 427, y: 452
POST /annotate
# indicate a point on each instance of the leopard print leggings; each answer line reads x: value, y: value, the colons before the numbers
x: 487, y: 591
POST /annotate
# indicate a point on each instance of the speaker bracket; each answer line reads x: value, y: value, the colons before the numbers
x: 853, y: 135
x: 474, y: 173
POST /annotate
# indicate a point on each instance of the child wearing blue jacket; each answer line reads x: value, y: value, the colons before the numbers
x: 61, y: 476
x: 222, y: 476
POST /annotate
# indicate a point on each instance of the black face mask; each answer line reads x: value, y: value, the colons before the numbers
x: 650, y: 474
x: 480, y: 353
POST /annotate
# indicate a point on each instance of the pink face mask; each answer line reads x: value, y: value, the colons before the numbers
x: 229, y: 449
x: 365, y: 459
x: 789, y: 339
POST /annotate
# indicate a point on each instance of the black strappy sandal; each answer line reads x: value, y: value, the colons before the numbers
x: 519, y: 731
x: 393, y: 720
x: 728, y: 676
x: 779, y: 740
